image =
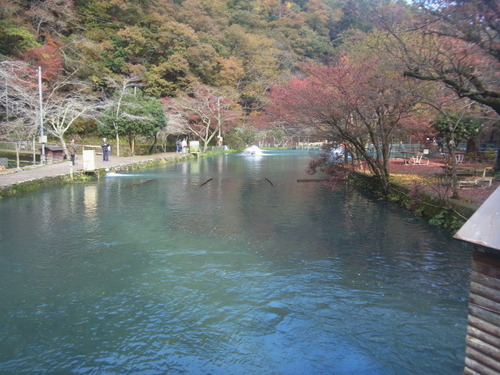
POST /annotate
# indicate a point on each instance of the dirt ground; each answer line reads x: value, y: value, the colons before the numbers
x: 429, y: 178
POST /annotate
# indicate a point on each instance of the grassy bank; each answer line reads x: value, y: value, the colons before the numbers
x: 443, y: 212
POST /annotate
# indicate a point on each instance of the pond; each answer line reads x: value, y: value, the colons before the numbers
x: 226, y: 265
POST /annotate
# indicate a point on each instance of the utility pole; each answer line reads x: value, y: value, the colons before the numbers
x: 43, y: 139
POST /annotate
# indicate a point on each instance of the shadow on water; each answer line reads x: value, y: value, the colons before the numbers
x: 233, y: 276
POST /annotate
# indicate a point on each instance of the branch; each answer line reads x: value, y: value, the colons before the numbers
x: 486, y: 97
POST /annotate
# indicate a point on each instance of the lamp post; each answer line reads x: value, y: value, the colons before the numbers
x: 43, y: 138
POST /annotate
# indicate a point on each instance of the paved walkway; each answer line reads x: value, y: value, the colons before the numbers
x: 13, y: 176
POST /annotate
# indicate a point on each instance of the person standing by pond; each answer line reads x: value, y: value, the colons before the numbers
x: 105, y: 149
x: 72, y: 151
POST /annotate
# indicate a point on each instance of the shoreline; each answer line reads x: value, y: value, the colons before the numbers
x: 13, y: 182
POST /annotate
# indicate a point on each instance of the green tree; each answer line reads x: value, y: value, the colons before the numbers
x: 169, y: 78
x: 15, y: 39
x: 261, y: 63
x: 240, y: 137
x: 138, y: 115
x: 455, y: 127
x: 203, y: 62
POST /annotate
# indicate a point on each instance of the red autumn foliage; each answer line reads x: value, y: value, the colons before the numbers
x: 48, y: 57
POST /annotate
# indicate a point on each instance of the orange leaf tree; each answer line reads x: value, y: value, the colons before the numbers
x: 351, y: 104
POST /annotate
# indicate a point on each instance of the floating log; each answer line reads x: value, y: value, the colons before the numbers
x: 206, y: 182
x: 312, y: 180
x: 138, y: 183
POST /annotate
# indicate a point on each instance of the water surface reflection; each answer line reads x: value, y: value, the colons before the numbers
x: 236, y: 276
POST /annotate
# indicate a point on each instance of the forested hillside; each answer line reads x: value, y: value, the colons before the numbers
x: 173, y: 45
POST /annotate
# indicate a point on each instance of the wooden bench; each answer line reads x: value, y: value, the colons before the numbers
x: 474, y: 181
x: 467, y: 177
x: 489, y: 180
x: 484, y: 178
x: 467, y: 183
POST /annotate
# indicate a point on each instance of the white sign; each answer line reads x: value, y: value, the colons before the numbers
x: 88, y: 160
x: 194, y: 146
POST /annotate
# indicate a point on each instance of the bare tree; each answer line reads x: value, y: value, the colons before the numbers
x: 63, y: 103
x: 20, y: 114
x: 206, y: 114
x: 176, y: 125
x: 62, y: 112
x: 19, y: 133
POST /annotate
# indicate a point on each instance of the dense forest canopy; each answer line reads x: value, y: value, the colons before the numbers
x: 173, y: 45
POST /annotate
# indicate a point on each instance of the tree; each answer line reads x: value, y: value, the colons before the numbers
x: 114, y: 109
x: 138, y: 115
x: 15, y: 38
x: 206, y: 114
x: 48, y: 57
x: 230, y: 72
x: 456, y: 43
x: 51, y: 16
x: 19, y: 104
x: 61, y: 112
x: 454, y: 127
x: 203, y: 62
x: 240, y: 137
x: 261, y: 64
x: 176, y: 125
x: 169, y: 78
x: 63, y: 103
x: 353, y: 104
x: 19, y: 133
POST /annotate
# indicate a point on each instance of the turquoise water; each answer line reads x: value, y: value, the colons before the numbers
x: 151, y: 273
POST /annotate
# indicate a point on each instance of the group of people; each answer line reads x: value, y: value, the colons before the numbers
x: 181, y: 145
x: 105, y: 146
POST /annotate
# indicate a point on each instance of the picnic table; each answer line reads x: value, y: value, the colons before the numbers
x: 412, y: 157
x: 459, y: 157
x: 469, y: 177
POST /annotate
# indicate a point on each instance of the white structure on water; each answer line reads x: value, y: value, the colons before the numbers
x: 252, y: 150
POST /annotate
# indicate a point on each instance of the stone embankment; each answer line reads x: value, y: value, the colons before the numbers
x: 13, y: 181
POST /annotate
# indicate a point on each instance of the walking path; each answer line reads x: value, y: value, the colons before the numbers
x: 14, y: 176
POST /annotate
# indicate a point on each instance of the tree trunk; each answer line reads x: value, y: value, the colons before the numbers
x: 453, y: 165
x: 153, y: 145
x: 471, y: 146
x: 117, y: 144
x: 34, y: 151
x: 18, y: 164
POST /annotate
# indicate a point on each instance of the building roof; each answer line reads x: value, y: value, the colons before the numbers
x: 54, y: 148
x: 483, y: 227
